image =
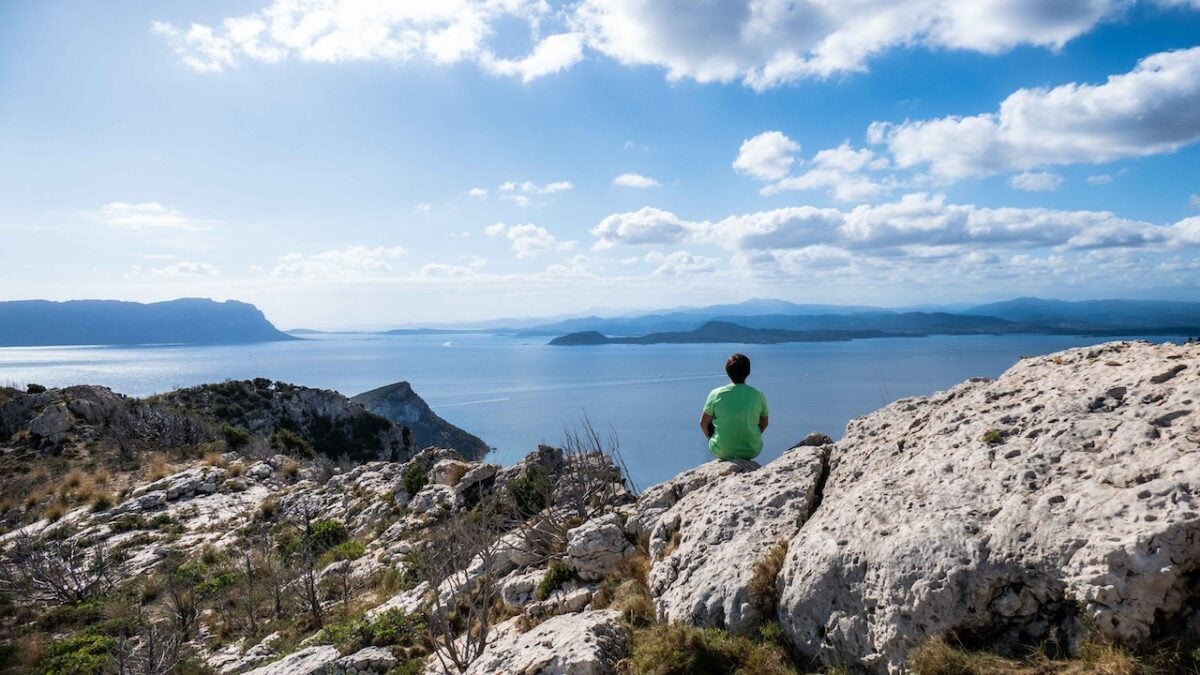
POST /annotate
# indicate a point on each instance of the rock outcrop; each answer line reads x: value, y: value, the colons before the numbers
x: 1057, y: 501
x: 588, y: 643
x: 398, y: 403
x: 704, y: 548
x: 1065, y: 493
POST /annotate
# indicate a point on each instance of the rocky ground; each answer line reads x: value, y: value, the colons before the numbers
x: 1053, y: 509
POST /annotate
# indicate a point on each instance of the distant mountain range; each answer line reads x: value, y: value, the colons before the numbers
x: 1023, y: 315
x: 112, y: 322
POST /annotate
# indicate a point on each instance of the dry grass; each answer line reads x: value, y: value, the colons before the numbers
x: 55, y: 511
x: 764, y: 594
x: 673, y: 545
x: 235, y: 469
x: 102, y: 500
x: 291, y: 468
x: 159, y: 467
x: 455, y: 473
x: 938, y: 657
x: 101, y: 476
x: 680, y: 649
x: 214, y: 458
x: 627, y: 590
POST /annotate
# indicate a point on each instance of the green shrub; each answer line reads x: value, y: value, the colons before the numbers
x: 415, y: 478
x: 80, y: 655
x: 557, y: 574
x: 393, y: 627
x: 531, y: 492
x: 35, y: 389
x: 323, y: 535
x: 81, y: 614
x: 289, y: 442
x: 235, y: 437
x: 347, y: 550
x: 992, y: 437
x: 680, y: 649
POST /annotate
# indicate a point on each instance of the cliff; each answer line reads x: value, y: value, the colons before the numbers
x: 111, y: 322
x: 398, y: 403
x: 1051, y: 512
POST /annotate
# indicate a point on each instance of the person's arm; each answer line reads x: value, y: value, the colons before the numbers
x: 706, y: 425
x: 763, y: 414
x: 762, y: 423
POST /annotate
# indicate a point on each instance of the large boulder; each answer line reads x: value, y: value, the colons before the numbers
x: 705, y: 546
x: 588, y: 643
x: 596, y: 547
x: 655, y: 501
x: 307, y: 661
x: 1063, y: 494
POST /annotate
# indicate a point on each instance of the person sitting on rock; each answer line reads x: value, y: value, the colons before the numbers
x: 735, y: 416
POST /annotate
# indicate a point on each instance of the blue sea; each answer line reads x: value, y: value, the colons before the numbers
x: 518, y: 392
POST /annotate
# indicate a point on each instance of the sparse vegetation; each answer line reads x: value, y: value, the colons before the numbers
x: 415, y: 478
x: 557, y: 574
x: 763, y: 591
x: 680, y: 649
x: 992, y: 437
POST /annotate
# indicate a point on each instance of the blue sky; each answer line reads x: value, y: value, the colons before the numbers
x: 365, y: 164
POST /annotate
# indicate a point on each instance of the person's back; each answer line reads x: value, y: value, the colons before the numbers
x: 735, y: 415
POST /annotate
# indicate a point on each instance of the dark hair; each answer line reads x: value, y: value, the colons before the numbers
x: 738, y: 368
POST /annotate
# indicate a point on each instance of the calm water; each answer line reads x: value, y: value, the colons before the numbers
x: 515, y: 393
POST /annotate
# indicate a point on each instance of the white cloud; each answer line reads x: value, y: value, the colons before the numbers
x: 1100, y: 179
x: 1036, y: 181
x: 521, y: 193
x: 767, y: 156
x: 477, y: 192
x: 181, y: 270
x: 1149, y: 110
x: 768, y: 43
x: 680, y: 263
x: 527, y: 240
x: 645, y: 226
x: 351, y: 262
x: 1194, y: 200
x: 146, y: 216
x: 635, y: 180
x: 916, y: 225
x: 554, y: 54
x: 422, y: 208
x: 843, y: 171
x: 337, y: 31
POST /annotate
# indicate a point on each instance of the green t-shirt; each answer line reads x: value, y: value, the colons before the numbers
x: 735, y: 409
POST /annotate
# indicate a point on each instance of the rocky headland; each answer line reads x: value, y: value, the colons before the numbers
x: 1046, y: 521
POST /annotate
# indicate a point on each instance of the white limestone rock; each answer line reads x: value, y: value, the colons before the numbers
x: 704, y: 547
x: 587, y: 643
x: 308, y: 661
x: 596, y: 547
x: 655, y: 500
x: 368, y: 660
x: 994, y: 507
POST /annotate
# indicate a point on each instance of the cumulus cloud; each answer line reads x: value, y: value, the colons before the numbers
x: 146, y: 216
x: 181, y: 270
x: 765, y: 44
x: 1147, y: 111
x: 351, y: 262
x: 645, y: 226
x: 680, y: 263
x: 527, y: 240
x: 917, y: 225
x: 767, y: 156
x: 337, y: 31
x: 477, y: 192
x: 521, y: 193
x: 1036, y: 181
x: 554, y: 54
x: 842, y: 171
x: 635, y: 180
x: 1100, y: 179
